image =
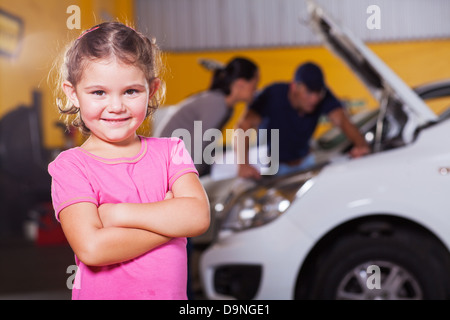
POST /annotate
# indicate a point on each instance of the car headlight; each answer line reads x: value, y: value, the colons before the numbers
x: 264, y: 204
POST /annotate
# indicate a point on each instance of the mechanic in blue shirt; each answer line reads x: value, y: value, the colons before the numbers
x: 295, y: 108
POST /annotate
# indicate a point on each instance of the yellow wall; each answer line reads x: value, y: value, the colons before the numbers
x: 46, y: 34
x: 415, y: 62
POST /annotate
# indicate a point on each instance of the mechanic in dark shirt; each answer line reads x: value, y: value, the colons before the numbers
x: 294, y: 109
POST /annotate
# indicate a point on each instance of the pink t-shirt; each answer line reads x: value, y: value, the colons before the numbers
x: 79, y: 176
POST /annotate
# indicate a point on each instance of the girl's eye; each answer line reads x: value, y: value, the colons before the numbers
x: 98, y: 93
x: 131, y: 91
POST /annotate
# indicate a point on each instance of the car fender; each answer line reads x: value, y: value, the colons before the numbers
x: 409, y: 182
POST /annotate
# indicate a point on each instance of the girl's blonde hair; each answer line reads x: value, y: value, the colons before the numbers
x: 103, y: 41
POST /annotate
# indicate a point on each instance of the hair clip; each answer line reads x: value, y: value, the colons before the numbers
x: 87, y: 31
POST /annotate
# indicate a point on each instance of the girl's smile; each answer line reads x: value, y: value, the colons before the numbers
x: 114, y: 122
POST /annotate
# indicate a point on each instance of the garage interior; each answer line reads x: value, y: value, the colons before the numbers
x: 412, y: 37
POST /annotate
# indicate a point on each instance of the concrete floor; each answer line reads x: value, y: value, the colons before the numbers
x: 32, y: 272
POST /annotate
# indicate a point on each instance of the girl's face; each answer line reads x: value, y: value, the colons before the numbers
x: 113, y: 99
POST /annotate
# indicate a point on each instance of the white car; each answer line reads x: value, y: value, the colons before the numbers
x: 376, y: 227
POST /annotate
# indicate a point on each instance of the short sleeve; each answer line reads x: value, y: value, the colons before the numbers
x: 70, y: 184
x: 330, y: 102
x: 180, y: 161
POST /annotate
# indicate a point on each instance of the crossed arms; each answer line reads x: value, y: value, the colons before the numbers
x: 114, y: 233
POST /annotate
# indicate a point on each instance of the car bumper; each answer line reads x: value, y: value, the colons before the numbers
x: 260, y: 263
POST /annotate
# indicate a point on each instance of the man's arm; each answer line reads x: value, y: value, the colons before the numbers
x: 250, y: 120
x: 340, y: 119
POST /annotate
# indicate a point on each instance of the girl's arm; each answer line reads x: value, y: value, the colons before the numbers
x: 95, y: 245
x: 186, y: 215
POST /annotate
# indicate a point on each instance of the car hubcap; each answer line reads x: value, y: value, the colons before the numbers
x: 379, y: 280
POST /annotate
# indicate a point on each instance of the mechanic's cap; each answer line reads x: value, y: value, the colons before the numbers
x: 311, y: 75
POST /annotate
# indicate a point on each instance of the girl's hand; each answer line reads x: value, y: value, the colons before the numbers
x: 109, y: 216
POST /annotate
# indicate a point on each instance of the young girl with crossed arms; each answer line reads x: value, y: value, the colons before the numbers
x: 126, y: 202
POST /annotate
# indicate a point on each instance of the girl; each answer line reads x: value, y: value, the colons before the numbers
x: 234, y: 83
x: 126, y: 202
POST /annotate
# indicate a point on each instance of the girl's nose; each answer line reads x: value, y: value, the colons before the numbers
x: 116, y: 105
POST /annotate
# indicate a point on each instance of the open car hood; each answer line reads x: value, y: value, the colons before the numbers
x: 371, y: 70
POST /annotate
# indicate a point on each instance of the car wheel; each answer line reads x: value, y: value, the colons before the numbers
x: 402, y: 265
x: 378, y: 280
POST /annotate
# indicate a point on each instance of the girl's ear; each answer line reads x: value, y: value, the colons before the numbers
x: 154, y: 86
x: 71, y: 93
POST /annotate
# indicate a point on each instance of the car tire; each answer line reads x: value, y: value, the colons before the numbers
x: 401, y: 265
